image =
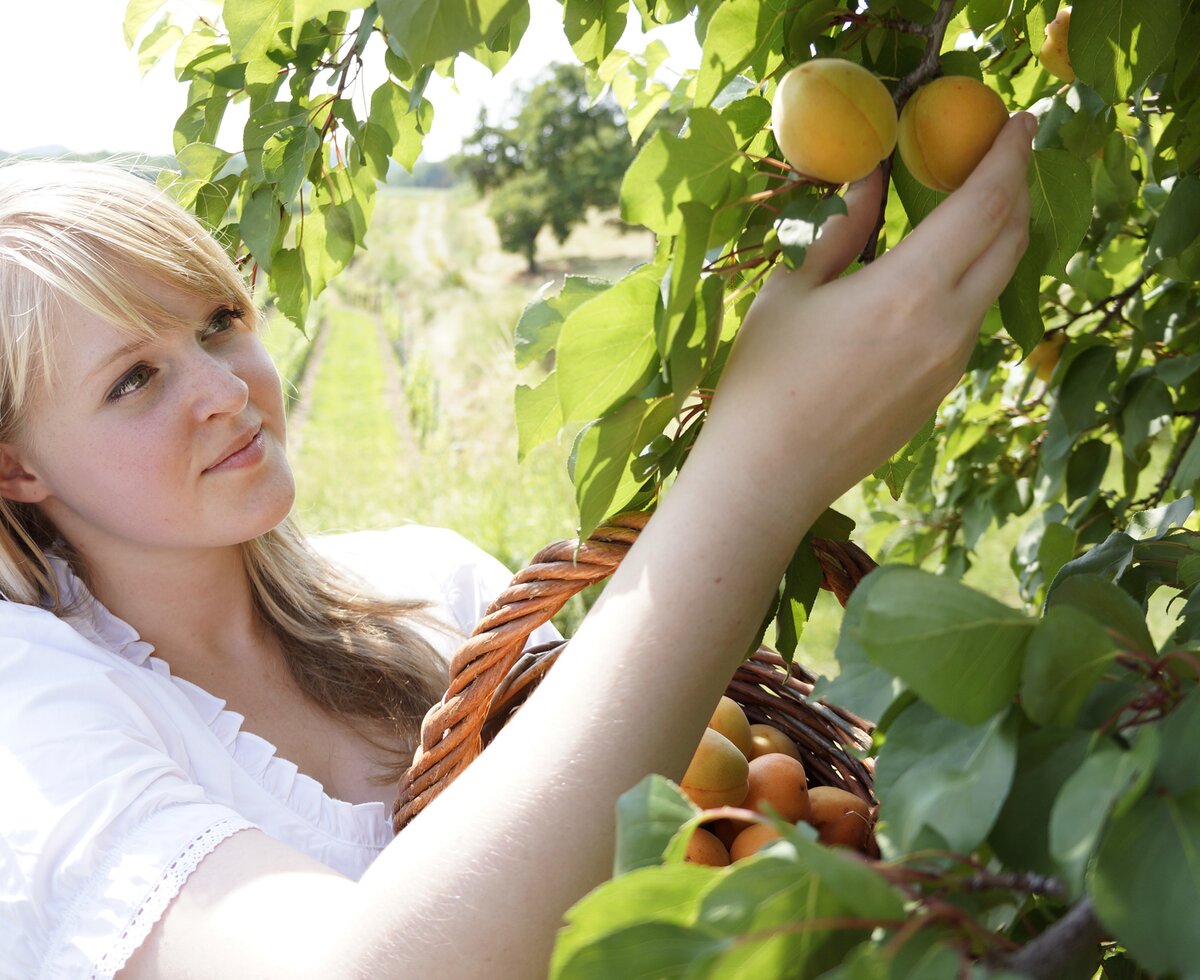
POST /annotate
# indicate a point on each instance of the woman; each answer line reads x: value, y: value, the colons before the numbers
x: 142, y: 452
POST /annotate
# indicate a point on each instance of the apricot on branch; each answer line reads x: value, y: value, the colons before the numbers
x: 947, y: 127
x: 833, y: 120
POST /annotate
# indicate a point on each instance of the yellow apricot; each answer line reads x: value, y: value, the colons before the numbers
x: 833, y: 120
x: 705, y: 848
x: 839, y: 816
x: 1053, y: 55
x: 947, y: 127
x: 753, y: 838
x: 778, y: 780
x: 765, y: 739
x: 718, y: 774
x: 1044, y: 358
x: 730, y: 720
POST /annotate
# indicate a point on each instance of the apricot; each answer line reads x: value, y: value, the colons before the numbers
x: 765, y: 739
x: 705, y: 848
x: 779, y: 780
x: 839, y: 816
x: 1044, y: 358
x: 1053, y: 54
x: 718, y: 774
x: 730, y: 720
x: 754, y: 838
x: 947, y: 127
x: 833, y: 120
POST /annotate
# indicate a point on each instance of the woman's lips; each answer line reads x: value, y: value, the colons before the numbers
x: 249, y: 454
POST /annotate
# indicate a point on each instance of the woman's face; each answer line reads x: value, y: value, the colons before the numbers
x: 173, y: 442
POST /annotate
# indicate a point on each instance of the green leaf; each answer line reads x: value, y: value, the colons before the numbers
x: 427, y: 31
x: 599, y: 464
x: 593, y: 27
x: 1107, y: 776
x: 137, y: 16
x: 956, y: 648
x: 1084, y: 585
x: 1115, y: 47
x: 606, y: 348
x: 537, y: 414
x: 201, y: 161
x: 644, y: 951
x: 263, y: 124
x: 942, y: 783
x: 648, y: 816
x: 1145, y: 884
x: 896, y: 471
x: 690, y: 249
x: 537, y: 330
x: 1147, y: 402
x: 1067, y: 655
x: 1177, y: 771
x: 157, y: 43
x: 1060, y: 206
x: 799, y: 224
x: 259, y: 224
x: 252, y: 25
x: 741, y: 34
x: 1178, y: 225
x: 801, y: 583
x: 669, y: 170
x: 1046, y: 759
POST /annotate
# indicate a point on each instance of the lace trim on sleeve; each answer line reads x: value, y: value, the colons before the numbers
x: 165, y: 889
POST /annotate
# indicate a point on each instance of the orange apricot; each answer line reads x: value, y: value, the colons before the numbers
x: 705, y: 848
x: 947, y: 127
x: 1053, y: 54
x: 833, y: 120
x: 718, y: 774
x: 779, y: 780
x: 765, y: 739
x: 839, y: 816
x: 1044, y: 358
x: 730, y: 720
x: 754, y: 838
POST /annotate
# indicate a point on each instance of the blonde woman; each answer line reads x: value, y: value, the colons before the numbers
x: 166, y: 627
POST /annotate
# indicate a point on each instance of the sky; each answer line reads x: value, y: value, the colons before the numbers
x: 69, y: 80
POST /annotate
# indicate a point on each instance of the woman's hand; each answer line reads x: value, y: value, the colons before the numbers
x: 830, y: 376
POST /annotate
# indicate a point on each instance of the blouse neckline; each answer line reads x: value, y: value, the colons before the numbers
x: 361, y: 824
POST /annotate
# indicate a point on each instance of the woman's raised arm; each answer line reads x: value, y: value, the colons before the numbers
x: 828, y: 378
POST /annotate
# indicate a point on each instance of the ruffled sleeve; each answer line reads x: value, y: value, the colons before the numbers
x: 99, y: 825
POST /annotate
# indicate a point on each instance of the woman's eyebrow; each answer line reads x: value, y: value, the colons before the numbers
x: 106, y: 362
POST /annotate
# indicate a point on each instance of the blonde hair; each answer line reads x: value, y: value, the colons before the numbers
x: 74, y: 231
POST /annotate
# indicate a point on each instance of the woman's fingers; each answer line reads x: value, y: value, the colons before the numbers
x: 962, y: 229
x: 841, y: 238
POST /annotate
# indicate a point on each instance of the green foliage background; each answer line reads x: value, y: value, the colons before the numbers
x: 1041, y: 803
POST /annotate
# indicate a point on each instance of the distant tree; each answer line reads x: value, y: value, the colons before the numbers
x: 558, y: 156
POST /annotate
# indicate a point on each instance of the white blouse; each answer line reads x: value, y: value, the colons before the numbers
x: 117, y: 778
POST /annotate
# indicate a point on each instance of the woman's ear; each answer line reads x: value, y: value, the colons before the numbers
x: 16, y: 482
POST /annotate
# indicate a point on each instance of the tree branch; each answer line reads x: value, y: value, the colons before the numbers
x: 1050, y: 955
x: 929, y: 66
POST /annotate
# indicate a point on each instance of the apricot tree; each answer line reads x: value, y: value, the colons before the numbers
x: 1040, y: 802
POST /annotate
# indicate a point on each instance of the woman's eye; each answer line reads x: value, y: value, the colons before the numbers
x: 137, y: 378
x: 221, y: 322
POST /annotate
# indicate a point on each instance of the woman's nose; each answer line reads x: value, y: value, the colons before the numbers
x: 216, y: 386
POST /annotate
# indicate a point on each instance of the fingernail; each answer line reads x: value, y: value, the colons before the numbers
x: 1030, y: 123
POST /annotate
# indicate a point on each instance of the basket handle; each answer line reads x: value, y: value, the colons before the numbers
x: 451, y: 733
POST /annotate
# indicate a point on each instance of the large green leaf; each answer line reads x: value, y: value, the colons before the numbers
x: 542, y: 319
x: 742, y: 34
x: 1145, y: 884
x: 956, y: 648
x: 648, y: 816
x: 942, y: 784
x: 1067, y: 654
x: 252, y: 25
x: 430, y: 30
x: 594, y: 26
x: 669, y: 170
x: 1115, y: 45
x: 606, y: 348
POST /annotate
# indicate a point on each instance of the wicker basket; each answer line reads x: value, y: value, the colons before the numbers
x: 491, y: 675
